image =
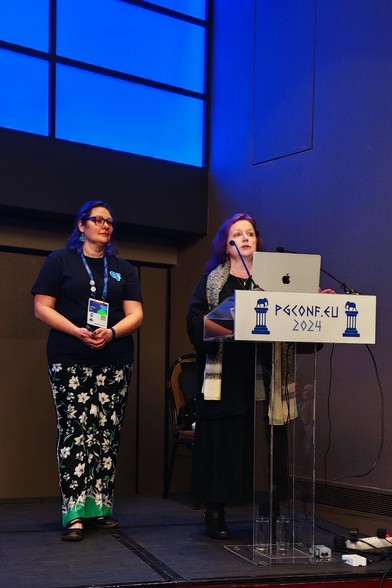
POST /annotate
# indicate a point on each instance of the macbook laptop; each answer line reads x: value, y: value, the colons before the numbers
x: 287, y: 272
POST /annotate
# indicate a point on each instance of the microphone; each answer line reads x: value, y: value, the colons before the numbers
x: 347, y: 289
x: 255, y: 286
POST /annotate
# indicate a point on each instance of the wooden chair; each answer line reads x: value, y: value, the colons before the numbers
x: 181, y: 390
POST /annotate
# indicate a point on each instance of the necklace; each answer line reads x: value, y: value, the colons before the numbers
x: 243, y: 282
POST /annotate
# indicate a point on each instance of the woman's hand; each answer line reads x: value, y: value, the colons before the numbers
x: 327, y: 291
x: 86, y: 335
x: 100, y: 338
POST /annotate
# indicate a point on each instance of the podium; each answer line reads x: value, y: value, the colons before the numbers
x: 295, y: 324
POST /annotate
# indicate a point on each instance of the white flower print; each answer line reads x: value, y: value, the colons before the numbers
x: 81, y: 499
x: 114, y: 418
x: 107, y: 463
x: 98, y: 484
x: 71, y: 412
x: 102, y: 419
x: 83, y: 418
x: 79, y: 440
x: 103, y: 397
x: 118, y: 376
x: 74, y: 382
x: 79, y: 470
x: 65, y: 452
x: 88, y: 372
x: 94, y: 410
x: 98, y: 500
x: 83, y: 397
x: 70, y: 503
x: 57, y: 367
x: 106, y: 445
x: 100, y: 380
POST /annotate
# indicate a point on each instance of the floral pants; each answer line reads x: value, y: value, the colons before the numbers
x: 90, y: 404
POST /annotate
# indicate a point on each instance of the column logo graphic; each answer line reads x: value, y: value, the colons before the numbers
x: 261, y: 310
x: 351, y: 315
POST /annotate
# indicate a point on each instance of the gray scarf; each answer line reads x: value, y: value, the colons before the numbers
x: 213, y: 368
x: 282, y: 407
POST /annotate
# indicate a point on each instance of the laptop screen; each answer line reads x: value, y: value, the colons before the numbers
x: 286, y: 272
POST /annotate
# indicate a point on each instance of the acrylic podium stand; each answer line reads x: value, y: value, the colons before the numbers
x: 285, y: 413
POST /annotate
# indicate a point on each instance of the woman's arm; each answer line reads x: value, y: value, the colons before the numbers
x: 198, y: 308
x: 132, y: 320
x: 45, y: 311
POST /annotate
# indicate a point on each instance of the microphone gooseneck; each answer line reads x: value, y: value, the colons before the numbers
x: 255, y: 286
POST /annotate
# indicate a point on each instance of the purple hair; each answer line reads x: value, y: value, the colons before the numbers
x: 83, y: 214
x: 219, y: 244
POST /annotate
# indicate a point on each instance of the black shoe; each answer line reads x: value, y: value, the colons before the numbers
x: 73, y: 534
x: 215, y: 524
x: 102, y: 523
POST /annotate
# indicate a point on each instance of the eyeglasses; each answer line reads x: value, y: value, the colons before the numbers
x: 99, y: 221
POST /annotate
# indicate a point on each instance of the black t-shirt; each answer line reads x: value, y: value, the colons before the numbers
x: 64, y: 277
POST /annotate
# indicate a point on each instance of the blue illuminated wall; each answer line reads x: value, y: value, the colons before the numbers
x: 301, y: 137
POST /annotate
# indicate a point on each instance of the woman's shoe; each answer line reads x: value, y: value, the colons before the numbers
x: 71, y: 533
x: 215, y: 524
x: 102, y: 523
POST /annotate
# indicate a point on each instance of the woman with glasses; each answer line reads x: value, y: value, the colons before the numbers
x: 92, y: 302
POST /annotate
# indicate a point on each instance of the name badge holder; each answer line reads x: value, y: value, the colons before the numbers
x: 97, y: 313
x: 97, y: 310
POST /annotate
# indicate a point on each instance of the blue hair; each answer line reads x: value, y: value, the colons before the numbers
x: 74, y: 241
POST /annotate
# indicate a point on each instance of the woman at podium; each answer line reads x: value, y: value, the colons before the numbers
x: 223, y: 452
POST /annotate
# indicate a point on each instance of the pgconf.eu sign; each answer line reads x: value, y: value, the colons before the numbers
x: 317, y: 318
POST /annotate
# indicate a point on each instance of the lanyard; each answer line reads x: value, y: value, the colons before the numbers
x: 93, y: 288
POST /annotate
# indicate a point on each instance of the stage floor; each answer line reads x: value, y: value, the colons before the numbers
x: 159, y: 542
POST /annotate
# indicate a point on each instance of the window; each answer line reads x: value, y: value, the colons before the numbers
x: 108, y: 73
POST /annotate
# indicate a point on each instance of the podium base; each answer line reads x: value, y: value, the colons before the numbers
x: 297, y: 553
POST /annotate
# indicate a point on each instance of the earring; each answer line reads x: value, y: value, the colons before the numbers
x: 82, y: 238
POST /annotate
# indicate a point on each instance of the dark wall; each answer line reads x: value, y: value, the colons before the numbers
x: 48, y: 179
x: 27, y: 415
x: 332, y: 198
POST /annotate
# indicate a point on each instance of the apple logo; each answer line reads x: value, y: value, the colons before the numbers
x: 286, y: 279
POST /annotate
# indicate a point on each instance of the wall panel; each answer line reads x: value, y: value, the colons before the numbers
x: 27, y: 416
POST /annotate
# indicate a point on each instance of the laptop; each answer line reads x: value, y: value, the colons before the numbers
x: 286, y: 272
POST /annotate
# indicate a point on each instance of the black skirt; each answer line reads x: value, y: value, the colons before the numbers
x: 223, y: 459
x: 223, y: 456
x: 223, y: 452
